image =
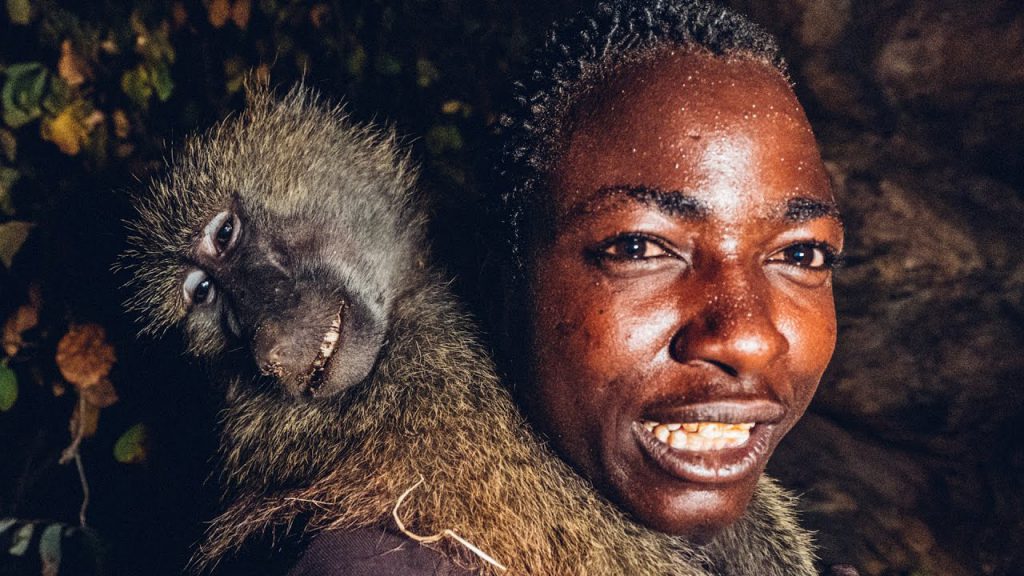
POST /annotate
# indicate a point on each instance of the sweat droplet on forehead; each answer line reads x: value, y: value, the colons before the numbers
x: 729, y: 245
x: 713, y: 131
x: 725, y: 162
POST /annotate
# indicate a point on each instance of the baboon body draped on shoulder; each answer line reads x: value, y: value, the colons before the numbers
x: 288, y: 245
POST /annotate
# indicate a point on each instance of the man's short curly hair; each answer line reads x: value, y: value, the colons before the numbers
x: 578, y: 54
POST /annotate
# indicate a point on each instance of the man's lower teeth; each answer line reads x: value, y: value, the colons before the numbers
x: 701, y: 435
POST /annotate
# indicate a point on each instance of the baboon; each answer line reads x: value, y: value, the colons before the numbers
x: 289, y: 247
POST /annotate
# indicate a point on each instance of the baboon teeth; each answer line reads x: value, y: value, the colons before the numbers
x: 329, y: 343
x: 700, y: 435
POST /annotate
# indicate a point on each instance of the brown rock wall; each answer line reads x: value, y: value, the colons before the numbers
x: 909, y: 459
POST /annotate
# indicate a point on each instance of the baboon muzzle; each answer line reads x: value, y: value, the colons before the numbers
x: 296, y: 353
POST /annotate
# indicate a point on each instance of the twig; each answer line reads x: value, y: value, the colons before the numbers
x: 437, y: 537
x: 85, y: 489
x: 72, y: 453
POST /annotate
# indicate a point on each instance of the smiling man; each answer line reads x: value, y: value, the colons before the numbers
x: 673, y: 236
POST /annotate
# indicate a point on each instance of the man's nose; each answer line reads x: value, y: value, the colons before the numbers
x: 734, y: 329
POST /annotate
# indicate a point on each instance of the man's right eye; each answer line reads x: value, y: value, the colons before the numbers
x: 198, y: 288
x: 632, y: 247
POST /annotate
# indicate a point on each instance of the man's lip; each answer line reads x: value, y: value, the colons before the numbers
x: 727, y: 411
x: 708, y: 466
x: 721, y: 466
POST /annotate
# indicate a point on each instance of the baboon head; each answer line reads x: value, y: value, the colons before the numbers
x: 278, y: 243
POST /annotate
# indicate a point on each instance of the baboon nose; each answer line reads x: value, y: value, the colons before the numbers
x: 272, y: 362
x: 271, y: 351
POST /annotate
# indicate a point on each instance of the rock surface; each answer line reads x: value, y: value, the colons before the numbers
x: 909, y: 459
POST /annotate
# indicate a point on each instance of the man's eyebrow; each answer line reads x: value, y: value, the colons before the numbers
x: 804, y: 209
x: 673, y: 203
x: 682, y: 205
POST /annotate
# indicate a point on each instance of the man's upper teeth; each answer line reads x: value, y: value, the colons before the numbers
x: 700, y: 435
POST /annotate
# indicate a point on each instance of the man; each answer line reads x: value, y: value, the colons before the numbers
x: 672, y: 235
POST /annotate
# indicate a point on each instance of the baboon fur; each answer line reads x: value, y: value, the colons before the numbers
x: 432, y: 420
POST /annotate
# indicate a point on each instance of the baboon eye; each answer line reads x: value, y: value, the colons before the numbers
x: 225, y: 233
x: 202, y: 292
x: 221, y: 233
x: 198, y: 287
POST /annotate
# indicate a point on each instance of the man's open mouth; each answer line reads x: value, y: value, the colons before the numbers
x: 700, y: 435
x: 709, y: 442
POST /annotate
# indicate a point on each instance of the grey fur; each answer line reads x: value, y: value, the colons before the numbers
x: 432, y: 408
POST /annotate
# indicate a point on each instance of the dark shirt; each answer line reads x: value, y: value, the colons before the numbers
x: 371, y: 551
x: 377, y: 552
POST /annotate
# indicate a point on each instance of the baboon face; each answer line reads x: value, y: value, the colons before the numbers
x: 682, y: 305
x: 264, y: 283
x: 278, y: 242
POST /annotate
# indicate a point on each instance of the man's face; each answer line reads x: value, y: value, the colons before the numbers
x: 682, y: 302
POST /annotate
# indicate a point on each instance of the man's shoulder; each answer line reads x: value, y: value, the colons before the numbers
x: 371, y: 551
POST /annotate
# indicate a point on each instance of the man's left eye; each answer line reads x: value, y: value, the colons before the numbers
x: 810, y: 255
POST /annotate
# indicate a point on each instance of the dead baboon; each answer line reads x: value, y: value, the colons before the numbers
x: 289, y: 247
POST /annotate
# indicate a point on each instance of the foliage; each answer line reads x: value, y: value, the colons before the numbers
x: 8, y: 388
x: 48, y: 548
x: 92, y: 97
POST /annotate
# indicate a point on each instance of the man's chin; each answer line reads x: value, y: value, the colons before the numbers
x: 695, y: 512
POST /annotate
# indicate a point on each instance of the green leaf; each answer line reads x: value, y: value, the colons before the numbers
x: 130, y: 448
x: 21, y: 540
x: 160, y: 76
x: 8, y: 176
x: 389, y: 65
x: 22, y: 94
x: 444, y: 137
x: 12, y: 236
x: 8, y: 388
x: 426, y: 73
x: 135, y: 83
x: 357, y: 62
x: 16, y: 117
x: 19, y: 11
x: 58, y: 96
x: 50, y: 548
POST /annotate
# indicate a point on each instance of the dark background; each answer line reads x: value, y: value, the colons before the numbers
x: 908, y: 461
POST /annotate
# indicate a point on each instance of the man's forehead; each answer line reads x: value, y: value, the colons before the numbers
x: 690, y: 83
